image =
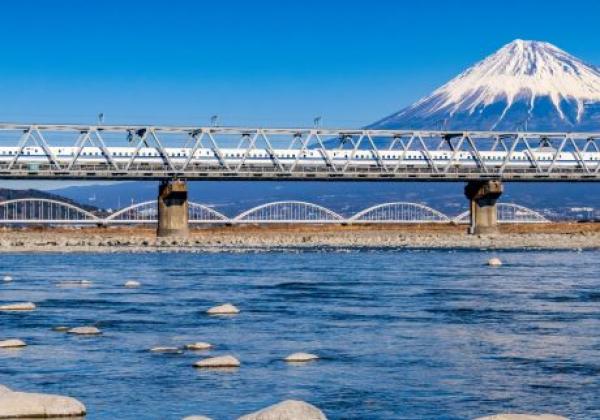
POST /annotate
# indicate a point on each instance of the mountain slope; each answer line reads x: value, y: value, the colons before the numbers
x: 525, y: 85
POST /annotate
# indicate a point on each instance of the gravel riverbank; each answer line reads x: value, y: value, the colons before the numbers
x: 244, y: 238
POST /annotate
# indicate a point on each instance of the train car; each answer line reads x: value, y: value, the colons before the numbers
x: 258, y: 157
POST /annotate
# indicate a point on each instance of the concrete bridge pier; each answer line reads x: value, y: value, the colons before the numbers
x: 173, y: 209
x: 483, y: 196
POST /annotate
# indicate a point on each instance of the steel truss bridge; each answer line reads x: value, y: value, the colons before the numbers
x: 51, y: 212
x: 39, y: 151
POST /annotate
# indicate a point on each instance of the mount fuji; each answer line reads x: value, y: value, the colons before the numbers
x: 526, y: 85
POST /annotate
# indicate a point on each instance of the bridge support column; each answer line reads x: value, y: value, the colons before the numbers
x: 483, y: 196
x: 172, y: 209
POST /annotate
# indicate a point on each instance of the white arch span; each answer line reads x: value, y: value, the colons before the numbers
x: 43, y: 210
x: 147, y: 212
x: 288, y: 212
x: 400, y: 212
x: 199, y: 213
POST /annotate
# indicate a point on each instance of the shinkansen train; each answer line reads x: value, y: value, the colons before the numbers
x: 309, y: 158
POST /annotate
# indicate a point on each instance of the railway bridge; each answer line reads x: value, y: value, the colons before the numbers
x: 177, y: 155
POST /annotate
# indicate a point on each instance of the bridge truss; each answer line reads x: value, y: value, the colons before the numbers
x: 51, y: 212
x: 385, y: 159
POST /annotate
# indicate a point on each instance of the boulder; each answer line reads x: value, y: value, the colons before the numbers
x: 84, y: 331
x: 198, y: 346
x: 226, y: 309
x: 132, y: 284
x: 494, y: 262
x: 33, y: 405
x: 218, y: 362
x: 287, y: 410
x: 7, y: 278
x: 301, y: 357
x: 22, y: 306
x: 523, y: 417
x: 12, y: 343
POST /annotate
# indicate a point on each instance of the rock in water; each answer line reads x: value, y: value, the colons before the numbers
x: 226, y: 309
x: 523, y: 417
x: 23, y: 306
x: 84, y: 331
x: 165, y: 350
x: 301, y: 357
x: 7, y: 278
x: 494, y: 262
x: 61, y: 328
x: 218, y: 362
x: 33, y: 405
x: 287, y: 410
x: 198, y: 346
x: 12, y: 343
x: 132, y: 284
x: 75, y: 283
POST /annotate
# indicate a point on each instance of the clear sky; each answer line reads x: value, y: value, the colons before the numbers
x: 258, y: 62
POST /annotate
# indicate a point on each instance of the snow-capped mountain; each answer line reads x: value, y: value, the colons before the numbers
x: 524, y: 85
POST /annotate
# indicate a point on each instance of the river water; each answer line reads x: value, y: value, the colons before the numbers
x: 401, y: 334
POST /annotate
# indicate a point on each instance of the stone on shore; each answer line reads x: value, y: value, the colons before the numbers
x: 523, y: 417
x: 7, y: 278
x: 301, y: 357
x: 84, y: 331
x: 12, y: 343
x: 287, y: 410
x: 34, y: 405
x: 198, y: 346
x: 494, y: 262
x: 218, y: 362
x: 132, y: 284
x: 21, y: 306
x: 226, y: 309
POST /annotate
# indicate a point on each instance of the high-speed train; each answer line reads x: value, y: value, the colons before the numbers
x: 150, y: 156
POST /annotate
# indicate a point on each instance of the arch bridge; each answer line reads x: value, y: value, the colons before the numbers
x: 53, y: 212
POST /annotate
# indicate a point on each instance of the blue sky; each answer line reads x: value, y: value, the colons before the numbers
x: 257, y: 62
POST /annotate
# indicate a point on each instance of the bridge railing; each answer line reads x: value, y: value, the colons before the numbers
x: 53, y: 212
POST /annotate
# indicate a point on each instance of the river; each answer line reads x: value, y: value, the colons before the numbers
x: 430, y: 334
